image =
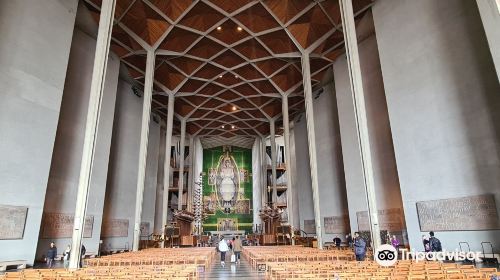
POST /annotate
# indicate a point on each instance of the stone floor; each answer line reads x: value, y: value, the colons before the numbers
x: 243, y: 270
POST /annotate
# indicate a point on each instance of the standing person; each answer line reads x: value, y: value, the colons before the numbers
x: 223, y: 248
x: 359, y: 247
x: 51, y: 255
x: 427, y: 246
x: 231, y: 242
x: 434, y: 243
x: 237, y: 248
x: 82, y: 256
x: 66, y: 256
x: 348, y: 238
x: 337, y: 241
x: 395, y: 242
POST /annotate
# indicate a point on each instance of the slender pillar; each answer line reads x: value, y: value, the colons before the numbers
x: 143, y: 148
x: 286, y: 136
x: 96, y: 92
x: 190, y: 175
x: 159, y: 179
x: 181, y: 163
x: 311, y: 140
x: 166, y: 167
x: 351, y: 45
x: 263, y: 178
x: 273, y: 162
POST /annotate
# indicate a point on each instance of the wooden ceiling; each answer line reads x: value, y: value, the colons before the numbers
x: 228, y: 61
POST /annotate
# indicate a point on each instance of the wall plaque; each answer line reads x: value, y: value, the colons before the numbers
x: 60, y: 225
x: 337, y: 224
x: 464, y: 213
x: 12, y: 221
x: 310, y: 226
x: 388, y: 219
x: 115, y: 228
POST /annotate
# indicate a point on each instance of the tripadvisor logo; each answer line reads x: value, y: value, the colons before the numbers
x: 386, y: 255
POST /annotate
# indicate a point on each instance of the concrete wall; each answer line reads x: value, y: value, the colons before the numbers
x: 490, y: 16
x: 442, y: 98
x: 62, y: 187
x: 123, y: 165
x: 382, y: 151
x: 36, y: 39
x: 332, y: 191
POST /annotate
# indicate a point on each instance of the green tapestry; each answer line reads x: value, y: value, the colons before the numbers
x: 227, y: 189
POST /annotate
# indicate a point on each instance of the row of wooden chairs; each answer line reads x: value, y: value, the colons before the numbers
x: 295, y: 262
x: 159, y: 257
x: 260, y: 255
x: 149, y: 264
x: 371, y: 270
x: 177, y: 272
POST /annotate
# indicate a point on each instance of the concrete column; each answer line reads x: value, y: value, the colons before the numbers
x: 96, y: 92
x: 190, y: 175
x: 286, y: 136
x: 181, y: 163
x: 490, y: 16
x: 263, y: 177
x: 159, y: 180
x: 311, y: 139
x: 166, y: 168
x: 273, y: 161
x: 351, y: 45
x: 143, y: 148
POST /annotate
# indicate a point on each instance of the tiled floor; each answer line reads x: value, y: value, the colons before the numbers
x: 242, y: 270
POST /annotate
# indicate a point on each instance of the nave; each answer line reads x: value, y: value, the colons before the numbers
x: 258, y: 262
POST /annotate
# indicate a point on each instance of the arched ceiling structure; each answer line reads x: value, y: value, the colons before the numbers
x: 228, y: 62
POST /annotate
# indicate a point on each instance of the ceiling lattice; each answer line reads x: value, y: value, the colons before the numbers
x: 228, y: 61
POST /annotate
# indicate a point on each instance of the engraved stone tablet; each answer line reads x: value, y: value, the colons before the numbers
x: 115, y: 228
x: 464, y: 213
x: 60, y: 225
x: 337, y: 224
x: 12, y: 221
x: 388, y: 219
x: 309, y: 226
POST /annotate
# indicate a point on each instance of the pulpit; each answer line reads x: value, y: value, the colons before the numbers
x: 271, y: 218
x: 184, y: 220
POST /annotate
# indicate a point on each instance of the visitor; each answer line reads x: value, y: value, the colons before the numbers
x: 66, y: 256
x: 337, y: 241
x: 348, y: 238
x: 434, y: 243
x: 395, y: 242
x: 82, y: 256
x: 51, y: 255
x: 231, y: 242
x: 359, y: 247
x: 223, y: 248
x: 237, y: 248
x: 427, y: 246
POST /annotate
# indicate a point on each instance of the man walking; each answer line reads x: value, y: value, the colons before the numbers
x: 51, y: 255
x: 237, y: 248
x: 359, y: 247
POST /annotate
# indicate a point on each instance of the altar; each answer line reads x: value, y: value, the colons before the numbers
x: 227, y: 232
